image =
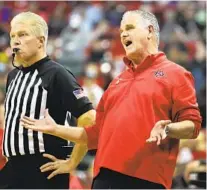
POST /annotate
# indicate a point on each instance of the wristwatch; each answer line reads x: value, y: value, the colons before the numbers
x: 166, y: 129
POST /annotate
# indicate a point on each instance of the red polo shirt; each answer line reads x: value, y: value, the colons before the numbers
x: 157, y: 89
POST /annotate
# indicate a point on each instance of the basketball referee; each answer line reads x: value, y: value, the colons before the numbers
x: 36, y: 84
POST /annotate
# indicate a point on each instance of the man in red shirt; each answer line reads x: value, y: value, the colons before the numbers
x: 140, y: 118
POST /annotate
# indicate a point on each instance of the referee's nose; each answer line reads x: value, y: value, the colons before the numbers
x: 15, y: 42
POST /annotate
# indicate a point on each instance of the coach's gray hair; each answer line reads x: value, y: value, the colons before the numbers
x: 39, y: 24
x: 149, y: 19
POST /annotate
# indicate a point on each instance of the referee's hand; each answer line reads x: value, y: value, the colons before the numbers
x: 45, y: 125
x: 158, y: 133
x: 57, y: 166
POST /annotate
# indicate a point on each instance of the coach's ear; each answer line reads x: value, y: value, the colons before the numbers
x: 150, y: 33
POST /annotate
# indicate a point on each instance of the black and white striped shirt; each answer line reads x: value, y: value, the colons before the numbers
x: 31, y: 90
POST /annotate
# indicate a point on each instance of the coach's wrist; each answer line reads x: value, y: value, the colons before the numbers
x: 171, y: 129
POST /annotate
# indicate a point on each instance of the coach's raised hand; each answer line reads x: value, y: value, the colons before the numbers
x: 158, y: 132
x: 45, y: 125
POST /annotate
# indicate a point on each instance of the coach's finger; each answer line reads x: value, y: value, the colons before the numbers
x: 158, y: 139
x: 164, y: 135
x: 151, y: 139
x: 162, y: 122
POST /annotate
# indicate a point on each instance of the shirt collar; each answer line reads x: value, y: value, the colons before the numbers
x: 148, y: 61
x: 35, y: 65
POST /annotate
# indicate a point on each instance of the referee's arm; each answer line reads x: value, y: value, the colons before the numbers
x: 79, y: 150
x: 74, y: 100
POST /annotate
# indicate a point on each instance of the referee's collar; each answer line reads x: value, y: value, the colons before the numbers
x: 36, y: 64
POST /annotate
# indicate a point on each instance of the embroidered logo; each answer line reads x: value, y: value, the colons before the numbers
x: 159, y: 73
x: 79, y: 93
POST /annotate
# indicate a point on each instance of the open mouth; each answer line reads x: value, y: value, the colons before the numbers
x: 128, y: 43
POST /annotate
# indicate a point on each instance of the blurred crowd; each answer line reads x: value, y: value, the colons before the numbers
x: 84, y: 37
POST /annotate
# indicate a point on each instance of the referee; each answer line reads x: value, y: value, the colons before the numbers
x: 36, y: 84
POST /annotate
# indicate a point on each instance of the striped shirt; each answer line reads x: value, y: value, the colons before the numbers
x: 31, y: 90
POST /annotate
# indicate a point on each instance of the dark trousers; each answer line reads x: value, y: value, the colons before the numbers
x: 108, y: 179
x: 22, y: 172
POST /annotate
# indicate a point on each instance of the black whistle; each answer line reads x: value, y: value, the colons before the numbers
x: 15, y: 50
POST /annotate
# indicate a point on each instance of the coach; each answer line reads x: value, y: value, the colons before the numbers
x: 141, y: 116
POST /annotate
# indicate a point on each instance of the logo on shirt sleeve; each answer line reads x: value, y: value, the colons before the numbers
x: 79, y: 93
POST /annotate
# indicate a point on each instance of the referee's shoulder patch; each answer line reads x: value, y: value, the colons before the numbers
x: 79, y: 93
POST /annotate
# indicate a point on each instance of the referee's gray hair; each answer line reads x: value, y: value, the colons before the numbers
x: 39, y: 24
x: 149, y: 19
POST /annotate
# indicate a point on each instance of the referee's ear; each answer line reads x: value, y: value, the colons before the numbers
x: 42, y: 41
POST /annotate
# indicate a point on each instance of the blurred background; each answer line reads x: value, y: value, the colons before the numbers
x: 84, y: 37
